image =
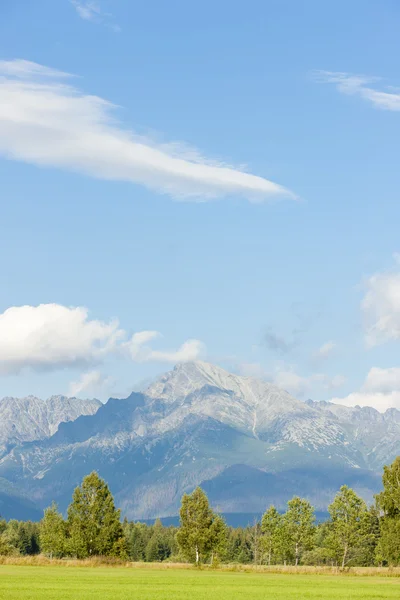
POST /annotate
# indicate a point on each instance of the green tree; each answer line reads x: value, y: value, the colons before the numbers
x: 238, y: 546
x: 136, y: 539
x: 298, y: 528
x: 195, y: 536
x: 94, y: 524
x: 388, y: 501
x: 271, y: 525
x: 158, y: 547
x: 347, y: 527
x: 218, y: 538
x: 388, y: 547
x: 53, y: 541
x: 7, y: 549
x: 22, y: 535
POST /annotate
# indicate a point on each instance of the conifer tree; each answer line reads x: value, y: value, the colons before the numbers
x: 94, y: 524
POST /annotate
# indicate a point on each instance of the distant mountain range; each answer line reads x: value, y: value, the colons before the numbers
x: 245, y: 441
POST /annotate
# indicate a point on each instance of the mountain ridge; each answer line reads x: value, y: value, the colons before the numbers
x: 246, y: 441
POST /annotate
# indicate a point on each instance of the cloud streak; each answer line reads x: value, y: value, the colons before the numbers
x: 46, y: 121
x: 360, y: 85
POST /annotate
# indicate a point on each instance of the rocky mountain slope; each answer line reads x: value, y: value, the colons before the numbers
x: 28, y: 419
x: 247, y: 442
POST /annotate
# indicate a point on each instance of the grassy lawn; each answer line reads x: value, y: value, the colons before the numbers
x: 75, y: 583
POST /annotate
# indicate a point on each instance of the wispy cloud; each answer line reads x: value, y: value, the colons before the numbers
x: 92, y: 383
x: 47, y: 122
x: 287, y: 377
x: 300, y: 385
x: 90, y: 10
x: 361, y: 85
x: 277, y: 343
x: 87, y: 10
x: 325, y: 351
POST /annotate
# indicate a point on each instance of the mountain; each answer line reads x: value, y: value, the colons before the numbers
x: 28, y: 419
x: 247, y: 442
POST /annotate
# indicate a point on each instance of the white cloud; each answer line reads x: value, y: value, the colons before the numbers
x: 379, y: 401
x: 383, y: 381
x: 50, y: 336
x: 286, y: 377
x: 87, y: 10
x: 381, y: 308
x: 359, y: 85
x: 141, y: 352
x: 381, y: 390
x: 92, y: 383
x: 325, y: 350
x: 301, y: 385
x: 46, y: 122
x: 90, y: 10
x: 190, y: 350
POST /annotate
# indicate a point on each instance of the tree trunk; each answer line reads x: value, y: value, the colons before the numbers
x: 269, y: 558
x: 344, y: 556
x: 297, y: 555
x: 197, y: 556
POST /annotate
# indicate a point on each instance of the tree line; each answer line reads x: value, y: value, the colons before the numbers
x: 353, y: 535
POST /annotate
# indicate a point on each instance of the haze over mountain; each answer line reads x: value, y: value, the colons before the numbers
x: 245, y: 441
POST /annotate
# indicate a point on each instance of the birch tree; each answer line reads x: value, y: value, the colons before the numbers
x: 298, y: 527
x: 348, y: 514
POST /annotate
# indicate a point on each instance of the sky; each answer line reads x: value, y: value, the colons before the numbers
x: 215, y: 181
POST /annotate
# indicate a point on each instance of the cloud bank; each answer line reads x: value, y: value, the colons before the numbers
x: 48, y: 122
x: 52, y: 336
x: 381, y: 307
x: 381, y: 390
x: 360, y: 85
x: 286, y: 377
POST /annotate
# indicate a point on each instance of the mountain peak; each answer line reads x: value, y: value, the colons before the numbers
x: 31, y: 418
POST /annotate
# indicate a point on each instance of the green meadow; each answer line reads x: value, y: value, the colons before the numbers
x: 81, y: 583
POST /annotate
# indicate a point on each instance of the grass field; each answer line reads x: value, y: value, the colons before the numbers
x: 72, y: 583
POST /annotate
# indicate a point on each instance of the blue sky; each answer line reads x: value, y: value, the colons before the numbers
x: 213, y: 180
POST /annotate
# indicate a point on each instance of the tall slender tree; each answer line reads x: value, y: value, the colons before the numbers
x: 53, y: 541
x: 271, y: 525
x: 347, y: 527
x: 298, y: 527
